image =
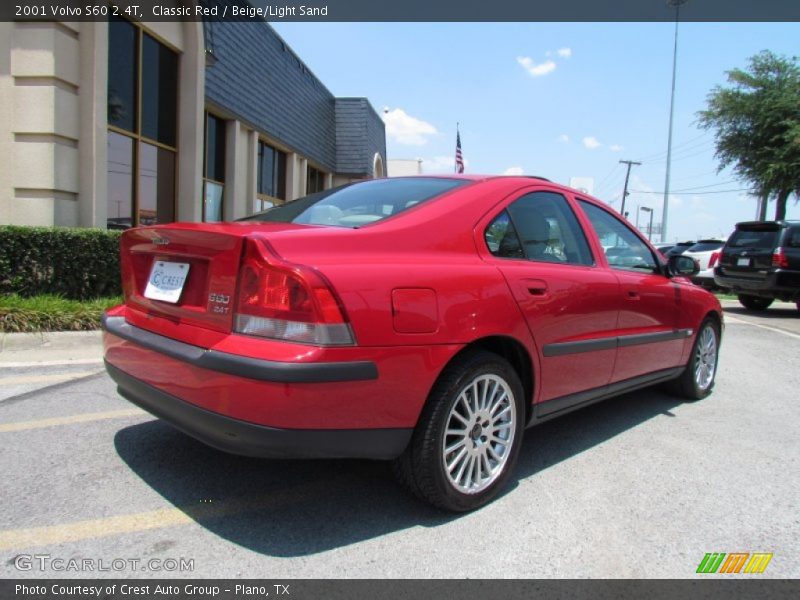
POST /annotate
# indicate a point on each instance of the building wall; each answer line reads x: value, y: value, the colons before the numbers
x: 54, y: 121
x: 258, y: 79
x: 39, y: 94
x: 360, y: 136
x: 399, y: 167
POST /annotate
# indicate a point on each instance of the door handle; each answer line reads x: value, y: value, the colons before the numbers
x: 632, y: 295
x: 533, y: 287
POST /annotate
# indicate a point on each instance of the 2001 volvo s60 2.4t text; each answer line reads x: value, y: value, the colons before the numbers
x: 426, y: 320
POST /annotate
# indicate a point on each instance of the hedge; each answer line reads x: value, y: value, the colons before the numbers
x: 77, y: 264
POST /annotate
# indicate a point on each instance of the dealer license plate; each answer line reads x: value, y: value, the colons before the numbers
x: 743, y: 262
x: 166, y: 281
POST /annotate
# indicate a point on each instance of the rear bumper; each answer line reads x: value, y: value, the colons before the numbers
x: 243, y: 366
x: 248, y: 439
x: 779, y: 283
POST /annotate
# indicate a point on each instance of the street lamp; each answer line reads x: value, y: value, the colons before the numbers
x: 677, y: 5
x: 650, y: 227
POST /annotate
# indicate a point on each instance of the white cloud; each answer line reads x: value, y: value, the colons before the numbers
x: 514, y: 171
x: 535, y: 70
x: 564, y: 52
x: 563, y: 138
x: 591, y: 142
x: 405, y: 129
x: 615, y: 148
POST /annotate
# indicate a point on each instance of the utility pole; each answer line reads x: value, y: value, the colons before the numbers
x: 665, y: 210
x: 630, y: 163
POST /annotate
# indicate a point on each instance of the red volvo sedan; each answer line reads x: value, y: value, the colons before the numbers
x: 426, y: 320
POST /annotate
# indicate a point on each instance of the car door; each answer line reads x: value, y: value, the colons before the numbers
x: 567, y: 300
x: 648, y: 337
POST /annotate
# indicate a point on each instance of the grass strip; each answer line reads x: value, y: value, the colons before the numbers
x: 51, y: 313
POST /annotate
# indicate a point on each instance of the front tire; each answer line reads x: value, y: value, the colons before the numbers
x: 698, y: 379
x: 468, y: 437
x: 754, y: 302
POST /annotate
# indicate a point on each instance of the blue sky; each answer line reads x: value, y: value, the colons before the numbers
x: 559, y: 100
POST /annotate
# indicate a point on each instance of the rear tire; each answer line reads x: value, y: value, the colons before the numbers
x: 469, y: 434
x: 754, y: 302
x: 697, y: 381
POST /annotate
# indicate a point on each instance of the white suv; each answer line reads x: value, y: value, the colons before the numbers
x: 706, y: 253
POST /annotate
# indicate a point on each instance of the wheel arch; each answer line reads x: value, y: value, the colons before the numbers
x: 515, y: 353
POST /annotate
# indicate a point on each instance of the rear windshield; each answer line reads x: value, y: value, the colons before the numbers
x: 705, y: 246
x: 743, y: 238
x: 359, y: 204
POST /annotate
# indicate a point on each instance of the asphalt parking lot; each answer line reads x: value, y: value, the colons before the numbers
x: 638, y: 486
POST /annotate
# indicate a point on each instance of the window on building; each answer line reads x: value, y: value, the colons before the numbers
x: 142, y: 123
x: 214, y: 168
x: 315, y: 180
x: 271, y: 185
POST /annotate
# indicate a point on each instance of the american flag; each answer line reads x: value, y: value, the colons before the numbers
x: 459, y: 157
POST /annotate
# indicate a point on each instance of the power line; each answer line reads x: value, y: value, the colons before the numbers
x: 681, y: 146
x: 702, y: 187
x: 695, y: 193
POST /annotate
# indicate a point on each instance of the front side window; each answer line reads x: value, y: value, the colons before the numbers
x: 359, y: 204
x: 539, y: 226
x: 623, y: 248
x: 142, y: 117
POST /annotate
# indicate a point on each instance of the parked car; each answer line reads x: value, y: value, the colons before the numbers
x: 761, y: 263
x: 679, y: 248
x: 426, y: 320
x: 664, y: 248
x: 706, y: 253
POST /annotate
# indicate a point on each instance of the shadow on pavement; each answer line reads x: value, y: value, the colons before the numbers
x: 296, y: 508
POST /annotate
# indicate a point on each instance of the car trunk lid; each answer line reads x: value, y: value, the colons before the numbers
x: 206, y: 256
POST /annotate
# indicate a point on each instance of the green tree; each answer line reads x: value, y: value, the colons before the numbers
x: 757, y: 125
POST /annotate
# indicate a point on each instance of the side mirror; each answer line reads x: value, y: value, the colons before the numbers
x: 679, y: 265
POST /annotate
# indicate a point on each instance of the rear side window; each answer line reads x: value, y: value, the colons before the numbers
x: 539, y: 226
x: 502, y: 239
x: 359, y: 204
x: 761, y: 239
x: 624, y: 249
x: 793, y: 238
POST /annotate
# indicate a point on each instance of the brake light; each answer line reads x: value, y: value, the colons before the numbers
x: 286, y: 301
x: 779, y: 259
x: 713, y: 260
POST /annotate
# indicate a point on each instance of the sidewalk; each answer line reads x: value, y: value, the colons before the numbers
x: 29, y: 349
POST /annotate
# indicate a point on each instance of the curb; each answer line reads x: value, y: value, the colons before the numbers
x: 50, y: 346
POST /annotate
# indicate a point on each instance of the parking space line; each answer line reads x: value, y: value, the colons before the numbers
x: 82, y: 530
x: 49, y: 535
x: 767, y: 327
x: 25, y: 379
x: 69, y: 420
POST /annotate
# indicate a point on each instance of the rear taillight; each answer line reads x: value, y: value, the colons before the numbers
x: 713, y: 260
x: 288, y: 302
x: 779, y: 259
